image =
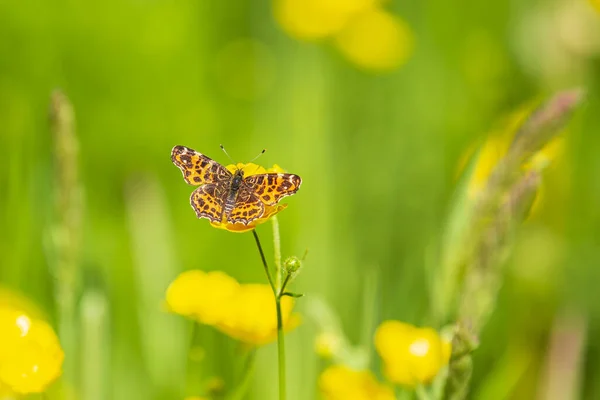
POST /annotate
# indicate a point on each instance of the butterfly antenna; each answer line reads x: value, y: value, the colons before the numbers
x: 226, y: 153
x: 259, y: 154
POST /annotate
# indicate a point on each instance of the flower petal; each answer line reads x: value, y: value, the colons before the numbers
x: 35, y: 357
x: 339, y: 382
x: 199, y: 295
x: 411, y: 355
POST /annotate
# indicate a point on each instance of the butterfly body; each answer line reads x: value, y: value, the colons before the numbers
x: 223, y: 196
x: 236, y: 183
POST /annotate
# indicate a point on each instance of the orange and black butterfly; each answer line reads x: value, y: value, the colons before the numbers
x: 230, y: 197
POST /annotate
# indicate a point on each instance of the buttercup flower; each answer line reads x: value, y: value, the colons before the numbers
x: 339, y: 382
x: 375, y: 40
x: 248, y: 315
x: 200, y: 295
x: 10, y: 299
x: 30, y: 354
x: 242, y: 311
x: 5, y: 392
x: 411, y: 355
x: 317, y: 19
x: 250, y: 169
x: 363, y: 31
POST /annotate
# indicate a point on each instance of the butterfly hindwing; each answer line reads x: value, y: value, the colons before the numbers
x: 248, y: 207
x: 221, y: 197
x: 208, y: 202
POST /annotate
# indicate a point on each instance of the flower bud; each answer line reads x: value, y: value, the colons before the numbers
x: 292, y: 265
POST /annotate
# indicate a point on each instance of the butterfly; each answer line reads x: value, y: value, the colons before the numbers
x: 223, y: 196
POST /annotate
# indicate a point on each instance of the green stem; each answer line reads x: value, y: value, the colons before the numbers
x: 277, y: 253
x: 284, y: 284
x: 264, y: 261
x: 280, y: 338
x: 280, y: 350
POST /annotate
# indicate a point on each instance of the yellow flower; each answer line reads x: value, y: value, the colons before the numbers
x: 411, y: 355
x: 365, y: 34
x: 30, y: 354
x: 249, y: 315
x: 200, y: 295
x: 251, y: 169
x: 5, y: 392
x: 375, y: 40
x: 339, y: 382
x: 245, y: 312
x: 16, y: 301
x: 317, y: 19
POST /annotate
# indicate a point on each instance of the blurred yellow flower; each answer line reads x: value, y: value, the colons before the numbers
x: 339, y: 382
x: 200, y: 295
x: 248, y: 315
x: 595, y: 4
x: 251, y: 169
x: 30, y: 354
x: 411, y: 355
x: 375, y: 40
x: 16, y: 301
x: 317, y: 19
x: 365, y: 34
x: 243, y: 311
x: 5, y: 392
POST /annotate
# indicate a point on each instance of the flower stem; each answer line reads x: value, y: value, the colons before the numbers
x: 264, y: 261
x: 277, y: 253
x: 280, y: 350
x: 277, y: 292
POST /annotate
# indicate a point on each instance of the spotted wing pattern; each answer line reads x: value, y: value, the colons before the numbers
x: 208, y: 202
x: 248, y: 207
x: 270, y: 188
x: 212, y: 199
x: 198, y: 169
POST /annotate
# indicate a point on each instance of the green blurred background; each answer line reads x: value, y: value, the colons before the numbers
x: 378, y: 151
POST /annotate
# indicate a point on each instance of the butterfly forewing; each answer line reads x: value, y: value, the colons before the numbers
x: 270, y: 188
x: 219, y: 197
x: 198, y: 169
